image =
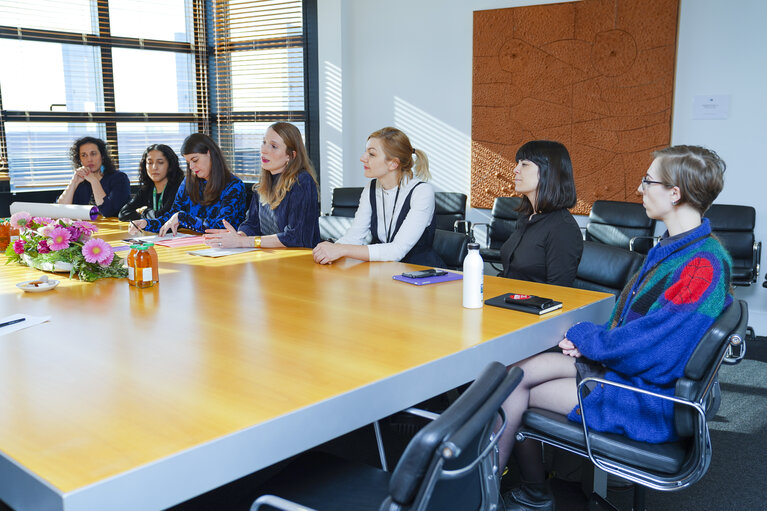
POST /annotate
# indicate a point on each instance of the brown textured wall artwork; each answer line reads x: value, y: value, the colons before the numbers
x: 596, y: 75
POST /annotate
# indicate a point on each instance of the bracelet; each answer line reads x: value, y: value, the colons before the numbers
x: 257, y: 242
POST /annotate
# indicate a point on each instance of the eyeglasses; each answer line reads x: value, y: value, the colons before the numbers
x: 647, y: 182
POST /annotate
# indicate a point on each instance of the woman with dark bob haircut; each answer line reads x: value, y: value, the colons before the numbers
x: 96, y: 180
x: 547, y: 244
x: 656, y: 324
x: 209, y: 194
x: 159, y: 176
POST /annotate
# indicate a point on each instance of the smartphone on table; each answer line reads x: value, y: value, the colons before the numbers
x: 431, y: 272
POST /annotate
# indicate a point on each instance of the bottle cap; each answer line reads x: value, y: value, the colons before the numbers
x: 473, y: 246
x: 148, y: 244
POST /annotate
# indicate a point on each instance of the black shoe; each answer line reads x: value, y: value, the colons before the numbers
x: 529, y: 498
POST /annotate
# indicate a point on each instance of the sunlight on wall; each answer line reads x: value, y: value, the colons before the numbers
x: 332, y: 115
x: 448, y: 149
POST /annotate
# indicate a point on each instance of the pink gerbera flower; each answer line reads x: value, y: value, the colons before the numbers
x: 99, y: 251
x: 59, y: 239
x: 20, y: 220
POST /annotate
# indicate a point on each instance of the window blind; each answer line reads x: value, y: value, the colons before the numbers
x: 121, y: 70
x: 258, y: 67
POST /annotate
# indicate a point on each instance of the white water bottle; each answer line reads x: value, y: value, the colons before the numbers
x: 473, y: 278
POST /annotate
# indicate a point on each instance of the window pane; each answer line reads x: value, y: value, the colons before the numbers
x: 153, y: 81
x: 268, y: 80
x: 151, y: 19
x: 64, y: 77
x: 38, y: 153
x: 70, y: 16
x: 247, y: 147
x: 133, y: 138
x: 267, y: 19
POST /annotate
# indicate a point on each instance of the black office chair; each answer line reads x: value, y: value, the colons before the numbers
x: 452, y: 247
x: 669, y: 466
x: 606, y: 268
x: 343, y: 206
x: 734, y: 226
x: 620, y: 224
x: 502, y: 224
x: 450, y: 464
x: 450, y: 210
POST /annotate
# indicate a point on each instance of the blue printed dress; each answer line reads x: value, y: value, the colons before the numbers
x: 230, y: 206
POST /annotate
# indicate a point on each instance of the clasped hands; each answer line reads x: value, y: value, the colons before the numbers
x: 84, y: 174
x: 225, y: 238
x: 568, y: 348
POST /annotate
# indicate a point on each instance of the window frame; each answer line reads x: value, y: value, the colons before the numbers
x: 202, y: 53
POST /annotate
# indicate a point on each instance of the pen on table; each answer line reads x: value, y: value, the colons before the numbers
x: 12, y: 322
x: 137, y: 227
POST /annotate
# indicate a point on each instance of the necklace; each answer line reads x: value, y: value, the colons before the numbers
x: 383, y: 206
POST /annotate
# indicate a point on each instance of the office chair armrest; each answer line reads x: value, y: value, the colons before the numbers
x: 487, y: 232
x: 632, y: 240
x: 466, y: 226
x: 630, y: 473
x: 279, y: 503
x: 450, y: 450
x: 757, y: 260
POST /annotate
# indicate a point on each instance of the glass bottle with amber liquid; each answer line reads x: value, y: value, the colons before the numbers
x: 131, y: 262
x: 143, y: 267
x: 155, y: 262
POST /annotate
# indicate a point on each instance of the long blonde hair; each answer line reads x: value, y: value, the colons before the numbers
x: 294, y: 145
x: 396, y: 145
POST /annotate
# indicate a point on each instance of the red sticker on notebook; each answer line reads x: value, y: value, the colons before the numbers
x: 519, y: 297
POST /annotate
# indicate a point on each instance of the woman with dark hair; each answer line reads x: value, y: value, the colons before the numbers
x: 658, y: 320
x: 547, y: 244
x: 284, y: 210
x: 396, y: 208
x: 159, y: 176
x: 209, y: 195
x: 96, y: 180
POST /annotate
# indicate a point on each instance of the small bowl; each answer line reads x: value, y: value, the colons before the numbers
x: 37, y: 286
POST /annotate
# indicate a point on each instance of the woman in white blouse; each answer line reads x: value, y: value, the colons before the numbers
x: 396, y: 207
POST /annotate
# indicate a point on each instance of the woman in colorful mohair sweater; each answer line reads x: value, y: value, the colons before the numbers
x: 663, y: 312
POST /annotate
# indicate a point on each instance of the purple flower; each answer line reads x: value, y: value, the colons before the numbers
x: 42, y: 247
x: 59, y: 238
x: 18, y: 246
x: 99, y: 251
x: 86, y: 227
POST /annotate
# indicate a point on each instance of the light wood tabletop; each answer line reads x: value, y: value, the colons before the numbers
x: 141, y: 398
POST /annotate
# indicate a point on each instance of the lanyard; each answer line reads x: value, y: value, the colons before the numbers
x: 383, y: 206
x: 154, y: 198
x: 639, y: 282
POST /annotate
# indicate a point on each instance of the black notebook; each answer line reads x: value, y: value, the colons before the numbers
x: 526, y: 303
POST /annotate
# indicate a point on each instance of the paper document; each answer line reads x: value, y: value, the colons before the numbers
x: 220, y: 252
x: 155, y: 238
x: 28, y: 322
x: 181, y: 242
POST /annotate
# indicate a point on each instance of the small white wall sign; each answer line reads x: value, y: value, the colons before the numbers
x: 711, y: 107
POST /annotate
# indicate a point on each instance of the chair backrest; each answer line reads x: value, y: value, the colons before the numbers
x: 704, y: 363
x: 454, y: 440
x: 606, y: 268
x: 452, y: 247
x: 345, y: 201
x: 504, y: 220
x: 448, y: 208
x: 615, y: 223
x: 734, y: 227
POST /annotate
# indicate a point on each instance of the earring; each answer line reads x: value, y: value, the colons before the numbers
x: 674, y: 202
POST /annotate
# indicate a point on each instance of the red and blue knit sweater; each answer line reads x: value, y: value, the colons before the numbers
x: 658, y: 320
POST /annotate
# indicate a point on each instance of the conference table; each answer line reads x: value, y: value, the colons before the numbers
x: 143, y: 398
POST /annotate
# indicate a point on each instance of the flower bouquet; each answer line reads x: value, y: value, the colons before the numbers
x: 63, y: 245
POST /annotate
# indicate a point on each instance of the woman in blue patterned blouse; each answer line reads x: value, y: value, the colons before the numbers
x: 284, y: 211
x: 209, y: 195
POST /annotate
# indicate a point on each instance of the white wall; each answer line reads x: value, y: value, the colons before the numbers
x: 408, y: 63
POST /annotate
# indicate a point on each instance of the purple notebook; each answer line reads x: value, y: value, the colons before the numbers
x: 430, y: 280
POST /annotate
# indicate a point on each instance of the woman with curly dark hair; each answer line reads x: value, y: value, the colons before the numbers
x: 96, y: 180
x: 159, y: 177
